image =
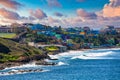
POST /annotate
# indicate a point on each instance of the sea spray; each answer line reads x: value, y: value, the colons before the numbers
x: 32, y: 64
x: 61, y: 63
x: 97, y: 55
x: 53, y: 56
x: 21, y: 71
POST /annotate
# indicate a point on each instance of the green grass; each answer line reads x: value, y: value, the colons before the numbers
x: 17, y: 51
x: 7, y: 35
x: 8, y: 58
x: 51, y: 48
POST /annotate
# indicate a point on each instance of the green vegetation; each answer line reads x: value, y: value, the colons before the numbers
x: 51, y: 48
x: 101, y: 39
x: 16, y: 51
x: 73, y: 40
x: 8, y: 58
x: 7, y: 35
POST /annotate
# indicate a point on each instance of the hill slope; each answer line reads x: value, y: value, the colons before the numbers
x: 11, y: 51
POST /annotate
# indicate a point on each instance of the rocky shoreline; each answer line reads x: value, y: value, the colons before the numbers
x: 40, y: 62
x: 13, y: 64
x: 21, y: 71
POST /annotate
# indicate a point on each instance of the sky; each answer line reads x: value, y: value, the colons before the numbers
x: 65, y: 13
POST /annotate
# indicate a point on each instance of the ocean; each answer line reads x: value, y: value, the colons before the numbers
x: 101, y: 64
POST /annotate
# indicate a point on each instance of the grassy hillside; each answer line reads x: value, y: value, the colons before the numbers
x: 11, y: 51
x: 7, y: 35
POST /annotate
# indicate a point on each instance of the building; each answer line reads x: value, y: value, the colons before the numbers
x: 37, y: 27
x: 108, y: 30
x: 82, y: 33
x: 10, y: 29
x: 117, y: 30
x: 4, y: 29
x: 110, y: 27
x: 86, y: 29
x: 95, y: 32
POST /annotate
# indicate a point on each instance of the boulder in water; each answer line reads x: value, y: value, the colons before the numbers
x: 45, y: 63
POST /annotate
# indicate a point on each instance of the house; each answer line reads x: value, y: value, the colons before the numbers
x: 108, y: 30
x: 117, y: 30
x: 11, y: 29
x: 95, y: 33
x: 86, y: 29
x: 37, y: 27
x: 4, y: 29
x: 82, y: 33
x: 71, y: 30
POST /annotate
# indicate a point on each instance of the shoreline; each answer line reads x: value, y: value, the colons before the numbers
x: 96, y: 48
x: 43, y: 62
x: 17, y: 64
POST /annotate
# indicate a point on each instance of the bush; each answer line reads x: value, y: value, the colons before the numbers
x: 6, y: 58
x: 51, y: 48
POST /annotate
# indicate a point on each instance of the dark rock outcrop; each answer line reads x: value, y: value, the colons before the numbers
x: 45, y: 63
x: 4, y: 49
x: 21, y: 71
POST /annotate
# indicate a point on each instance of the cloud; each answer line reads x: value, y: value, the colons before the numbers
x: 5, y: 21
x: 110, y: 14
x: 49, y: 21
x: 58, y: 14
x: 10, y: 4
x: 9, y: 14
x: 112, y: 9
x: 54, y: 3
x: 52, y: 20
x: 7, y: 17
x: 72, y: 20
x: 86, y: 15
x: 114, y: 3
x: 38, y: 14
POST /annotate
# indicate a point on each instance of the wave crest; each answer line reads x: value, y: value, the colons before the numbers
x: 102, y: 55
x: 62, y: 63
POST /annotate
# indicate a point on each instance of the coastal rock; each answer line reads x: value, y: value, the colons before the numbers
x: 1, y: 68
x: 45, y: 63
x: 53, y: 59
x: 9, y: 64
x: 21, y: 71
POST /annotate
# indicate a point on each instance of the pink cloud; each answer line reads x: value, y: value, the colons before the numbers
x: 73, y: 20
x: 6, y: 22
x: 9, y: 14
x: 38, y: 13
x: 86, y: 15
x: 10, y: 4
x: 52, y: 20
x: 112, y: 9
x: 54, y: 3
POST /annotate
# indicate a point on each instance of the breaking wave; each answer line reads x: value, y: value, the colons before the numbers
x: 15, y: 71
x: 112, y: 53
x: 32, y: 64
x: 62, y: 63
x: 100, y: 55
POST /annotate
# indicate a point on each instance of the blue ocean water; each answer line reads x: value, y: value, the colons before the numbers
x: 102, y: 64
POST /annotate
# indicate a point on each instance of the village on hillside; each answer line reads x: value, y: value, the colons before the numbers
x: 62, y: 39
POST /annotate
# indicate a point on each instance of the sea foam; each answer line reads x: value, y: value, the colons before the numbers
x: 61, y: 63
x: 102, y: 55
x: 32, y: 64
x: 14, y: 71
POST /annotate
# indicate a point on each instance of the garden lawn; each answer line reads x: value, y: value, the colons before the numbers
x: 7, y: 35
